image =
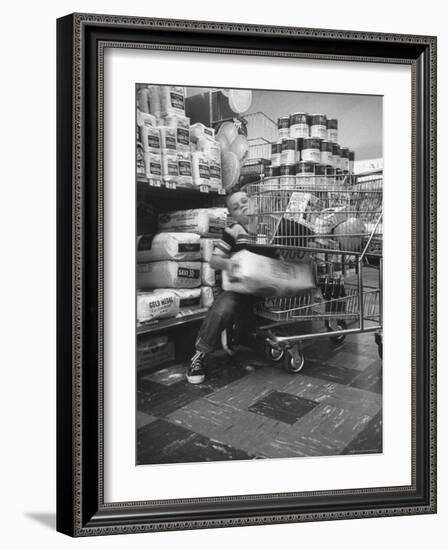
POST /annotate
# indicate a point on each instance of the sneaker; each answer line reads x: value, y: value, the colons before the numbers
x: 195, y: 373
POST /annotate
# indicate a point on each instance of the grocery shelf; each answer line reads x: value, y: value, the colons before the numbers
x: 163, y: 191
x: 164, y: 324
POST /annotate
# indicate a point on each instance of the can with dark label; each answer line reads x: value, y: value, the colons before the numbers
x: 272, y: 179
x: 287, y: 173
x: 298, y: 125
x: 311, y: 150
x: 344, y: 159
x: 332, y: 130
x: 305, y: 173
x: 318, y: 126
x: 276, y: 153
x: 288, y: 155
x: 283, y: 127
x: 329, y: 175
x: 272, y: 171
x: 351, y: 161
x: 299, y: 148
x: 304, y: 167
x: 319, y: 171
x: 326, y: 153
x: 336, y: 156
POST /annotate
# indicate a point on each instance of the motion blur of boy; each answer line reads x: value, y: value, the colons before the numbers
x: 228, y: 304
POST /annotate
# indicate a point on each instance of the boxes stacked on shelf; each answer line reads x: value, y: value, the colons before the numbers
x: 209, y: 224
x: 308, y: 146
x: 168, y: 274
x: 175, y: 153
x: 172, y: 268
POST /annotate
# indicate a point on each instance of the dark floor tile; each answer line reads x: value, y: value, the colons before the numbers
x: 162, y: 442
x: 283, y: 407
x: 371, y: 379
x: 331, y: 373
x: 221, y: 373
x: 370, y: 440
x: 159, y: 400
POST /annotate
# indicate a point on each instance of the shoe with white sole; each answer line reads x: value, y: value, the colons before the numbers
x: 195, y: 372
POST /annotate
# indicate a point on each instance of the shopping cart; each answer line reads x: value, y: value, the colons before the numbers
x: 339, y: 228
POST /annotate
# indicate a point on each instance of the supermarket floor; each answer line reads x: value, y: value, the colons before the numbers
x: 252, y: 408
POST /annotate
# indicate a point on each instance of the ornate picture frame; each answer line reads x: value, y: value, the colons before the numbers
x: 81, y: 507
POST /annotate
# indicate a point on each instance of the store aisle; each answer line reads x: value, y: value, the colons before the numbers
x: 253, y: 409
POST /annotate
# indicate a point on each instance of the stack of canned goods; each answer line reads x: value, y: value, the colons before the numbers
x: 308, y: 147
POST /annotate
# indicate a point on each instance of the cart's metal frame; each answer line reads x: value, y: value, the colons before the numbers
x: 267, y: 206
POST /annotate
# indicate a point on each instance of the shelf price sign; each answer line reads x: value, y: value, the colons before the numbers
x: 155, y: 183
x: 221, y: 191
x: 170, y: 185
x: 204, y: 189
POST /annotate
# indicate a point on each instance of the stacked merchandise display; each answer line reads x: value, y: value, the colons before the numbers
x: 174, y: 277
x: 170, y: 151
x: 307, y: 146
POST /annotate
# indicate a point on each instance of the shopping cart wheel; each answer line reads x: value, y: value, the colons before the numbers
x: 274, y: 354
x: 294, y: 363
x: 379, y: 343
x: 339, y: 324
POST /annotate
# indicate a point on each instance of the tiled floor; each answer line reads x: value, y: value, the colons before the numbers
x: 252, y: 408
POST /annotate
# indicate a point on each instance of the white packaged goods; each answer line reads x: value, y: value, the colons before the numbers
x: 219, y: 218
x: 155, y: 351
x: 215, y: 165
x: 210, y: 277
x: 199, y: 130
x: 203, y: 221
x: 140, y: 160
x: 207, y: 247
x: 168, y: 246
x: 189, y: 298
x: 215, y: 176
x: 303, y: 208
x: 172, y: 100
x: 152, y: 305
x: 150, y: 138
x: 185, y: 170
x: 143, y: 99
x: 153, y: 166
x: 170, y: 166
x: 167, y: 138
x: 181, y: 124
x: 169, y: 274
x: 263, y: 276
x: 145, y: 119
x: 207, y: 296
x: 154, y: 100
x: 200, y: 168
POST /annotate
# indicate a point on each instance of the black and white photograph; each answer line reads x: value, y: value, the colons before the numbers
x: 259, y: 297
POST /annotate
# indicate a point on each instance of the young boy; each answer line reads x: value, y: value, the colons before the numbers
x: 228, y: 304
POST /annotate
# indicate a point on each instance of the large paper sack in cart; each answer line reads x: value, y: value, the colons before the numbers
x: 262, y: 276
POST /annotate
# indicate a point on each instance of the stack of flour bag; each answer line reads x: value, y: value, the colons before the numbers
x: 170, y: 151
x: 174, y: 277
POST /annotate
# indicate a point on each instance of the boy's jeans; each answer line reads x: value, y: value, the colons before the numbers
x: 225, y: 309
